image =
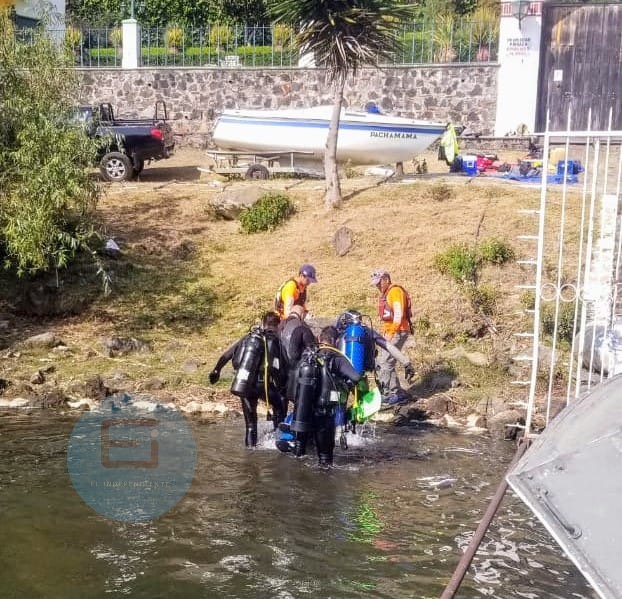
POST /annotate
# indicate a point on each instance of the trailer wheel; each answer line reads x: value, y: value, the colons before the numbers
x: 116, y: 167
x: 257, y: 171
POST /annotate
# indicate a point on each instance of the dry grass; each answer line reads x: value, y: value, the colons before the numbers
x: 191, y: 284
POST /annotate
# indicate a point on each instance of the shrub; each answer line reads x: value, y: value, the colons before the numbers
x: 484, y: 298
x: 565, y: 320
x: 496, y: 251
x: 282, y: 35
x: 116, y: 37
x: 441, y: 192
x: 73, y: 37
x: 174, y: 37
x: 267, y: 213
x: 220, y: 36
x: 460, y: 262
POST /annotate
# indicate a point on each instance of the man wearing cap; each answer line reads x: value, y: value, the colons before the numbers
x: 394, y: 311
x: 294, y: 291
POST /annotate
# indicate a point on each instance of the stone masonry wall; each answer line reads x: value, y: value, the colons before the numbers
x: 463, y: 94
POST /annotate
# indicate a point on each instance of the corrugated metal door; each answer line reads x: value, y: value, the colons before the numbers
x: 581, y: 66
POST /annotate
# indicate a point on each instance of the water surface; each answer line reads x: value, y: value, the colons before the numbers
x: 389, y: 521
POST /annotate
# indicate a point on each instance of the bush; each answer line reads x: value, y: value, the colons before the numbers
x: 267, y: 213
x: 565, y: 320
x: 484, y: 298
x: 441, y: 192
x: 174, y: 37
x: 496, y: 251
x: 460, y: 262
x: 220, y: 36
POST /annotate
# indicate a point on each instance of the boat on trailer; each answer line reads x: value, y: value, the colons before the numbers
x: 365, y: 137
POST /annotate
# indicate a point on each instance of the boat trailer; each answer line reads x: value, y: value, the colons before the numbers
x: 254, y: 165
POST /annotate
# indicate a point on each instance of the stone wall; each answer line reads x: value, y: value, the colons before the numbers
x: 465, y: 94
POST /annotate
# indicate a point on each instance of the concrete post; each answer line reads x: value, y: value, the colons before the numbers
x: 131, y: 44
x: 519, y: 61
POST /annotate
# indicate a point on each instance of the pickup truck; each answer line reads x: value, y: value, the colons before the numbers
x: 127, y: 143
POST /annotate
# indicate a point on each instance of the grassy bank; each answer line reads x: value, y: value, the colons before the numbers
x: 189, y: 284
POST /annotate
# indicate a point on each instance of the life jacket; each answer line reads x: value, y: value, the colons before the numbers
x: 385, y: 309
x: 300, y: 297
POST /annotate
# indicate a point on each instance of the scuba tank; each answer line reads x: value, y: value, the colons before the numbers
x: 329, y: 394
x: 356, y: 341
x: 354, y: 345
x: 308, y: 381
x: 243, y: 384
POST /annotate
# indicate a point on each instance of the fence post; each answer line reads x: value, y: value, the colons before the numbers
x: 131, y: 44
x: 519, y: 63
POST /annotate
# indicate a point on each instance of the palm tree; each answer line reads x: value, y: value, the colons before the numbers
x: 342, y: 36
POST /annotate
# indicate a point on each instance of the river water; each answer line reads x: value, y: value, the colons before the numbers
x: 388, y: 521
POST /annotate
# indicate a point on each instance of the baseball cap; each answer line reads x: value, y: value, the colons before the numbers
x: 377, y: 275
x: 308, y: 271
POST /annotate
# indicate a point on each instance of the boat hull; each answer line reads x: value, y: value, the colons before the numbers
x: 364, y: 138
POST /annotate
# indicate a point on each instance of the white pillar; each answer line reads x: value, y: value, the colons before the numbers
x: 131, y: 44
x: 519, y: 61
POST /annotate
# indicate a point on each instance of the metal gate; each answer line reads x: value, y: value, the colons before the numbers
x: 580, y: 66
x: 573, y: 264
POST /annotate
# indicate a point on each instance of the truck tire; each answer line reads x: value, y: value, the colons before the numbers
x: 257, y: 171
x: 116, y: 167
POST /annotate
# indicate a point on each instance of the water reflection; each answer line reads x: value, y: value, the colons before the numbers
x: 389, y: 521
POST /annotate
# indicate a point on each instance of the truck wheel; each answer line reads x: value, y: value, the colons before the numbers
x: 257, y: 171
x: 116, y: 167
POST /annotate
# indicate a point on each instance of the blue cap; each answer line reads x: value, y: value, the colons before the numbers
x: 308, y: 271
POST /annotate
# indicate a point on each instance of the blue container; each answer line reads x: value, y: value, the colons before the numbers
x: 354, y: 346
x: 469, y: 165
x: 574, y: 167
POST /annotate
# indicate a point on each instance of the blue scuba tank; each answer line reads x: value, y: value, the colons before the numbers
x: 354, y: 343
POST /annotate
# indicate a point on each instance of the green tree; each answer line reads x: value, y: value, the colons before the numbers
x: 342, y: 36
x: 160, y: 13
x: 46, y: 193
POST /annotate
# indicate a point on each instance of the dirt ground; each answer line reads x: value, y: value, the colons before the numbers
x: 189, y: 284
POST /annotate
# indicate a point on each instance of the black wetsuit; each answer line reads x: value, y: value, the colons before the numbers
x: 277, y: 374
x: 341, y: 376
x: 295, y: 336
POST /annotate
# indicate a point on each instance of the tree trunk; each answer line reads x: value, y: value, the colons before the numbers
x: 332, y: 198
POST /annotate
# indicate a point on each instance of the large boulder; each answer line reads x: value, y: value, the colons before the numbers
x: 230, y: 202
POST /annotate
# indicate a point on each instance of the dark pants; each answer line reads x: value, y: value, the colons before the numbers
x: 324, y: 435
x: 249, y: 409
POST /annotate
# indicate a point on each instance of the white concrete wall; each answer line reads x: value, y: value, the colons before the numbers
x: 519, y: 60
x: 32, y: 9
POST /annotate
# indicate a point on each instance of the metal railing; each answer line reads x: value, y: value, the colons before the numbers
x: 421, y: 42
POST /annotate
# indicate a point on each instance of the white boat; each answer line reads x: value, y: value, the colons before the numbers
x: 364, y: 137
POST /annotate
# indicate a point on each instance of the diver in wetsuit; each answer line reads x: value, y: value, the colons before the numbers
x: 260, y: 373
x: 322, y: 376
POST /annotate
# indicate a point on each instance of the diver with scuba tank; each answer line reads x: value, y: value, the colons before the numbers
x: 261, y: 372
x: 323, y: 377
x: 358, y: 342
x: 295, y: 335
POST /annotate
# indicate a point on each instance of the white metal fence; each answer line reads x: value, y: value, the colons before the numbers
x: 572, y: 260
x: 421, y: 42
